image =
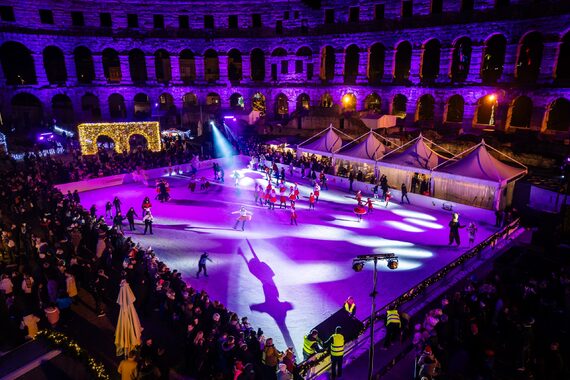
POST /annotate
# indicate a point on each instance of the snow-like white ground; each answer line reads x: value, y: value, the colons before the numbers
x: 287, y: 278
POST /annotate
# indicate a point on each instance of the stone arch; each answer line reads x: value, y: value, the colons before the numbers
x: 519, y: 114
x: 166, y: 102
x: 328, y: 63
x: 281, y: 106
x: 62, y: 109
x: 105, y: 142
x: 461, y: 59
x: 373, y: 102
x: 351, y: 62
x: 142, y: 107
x: 562, y: 73
x: 303, y: 102
x: 189, y: 100
x: 493, y: 58
x: 258, y: 103
x: 402, y: 61
x: 213, y: 101
x: 117, y: 108
x: 279, y: 52
x: 529, y: 58
x: 425, y: 110
x: 257, y: 62
x: 349, y: 102
x: 431, y: 53
x: 54, y: 65
x: 26, y: 110
x: 304, y: 59
x: 327, y: 100
x: 162, y: 66
x: 187, y: 63
x: 120, y: 133
x: 17, y: 64
x: 557, y: 116
x: 454, y: 109
x: 236, y: 101
x: 137, y: 66
x: 486, y: 110
x: 84, y: 65
x: 137, y: 141
x: 235, y: 73
x: 90, y: 107
x: 376, y: 59
x: 111, y: 65
x: 211, y: 66
x: 399, y: 106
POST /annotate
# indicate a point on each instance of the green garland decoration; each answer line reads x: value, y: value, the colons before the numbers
x: 70, y: 347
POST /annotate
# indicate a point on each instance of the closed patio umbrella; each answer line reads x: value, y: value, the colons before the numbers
x: 128, y: 332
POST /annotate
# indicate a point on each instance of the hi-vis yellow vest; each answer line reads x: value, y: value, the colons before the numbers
x: 392, y: 316
x: 349, y: 308
x: 337, y: 346
x: 309, y: 346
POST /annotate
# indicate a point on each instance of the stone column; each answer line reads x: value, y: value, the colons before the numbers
x: 98, y: 68
x: 362, y: 77
x: 474, y: 74
x: 338, y: 67
x: 509, y: 66
x: 125, y: 69
x: 245, y: 69
x: 175, y: 69
x: 416, y: 64
x: 223, y: 65
x: 548, y: 63
x: 445, y: 60
x: 469, y: 111
x: 71, y: 69
x: 41, y: 76
x: 389, y: 56
x: 199, y: 62
x: 150, y: 69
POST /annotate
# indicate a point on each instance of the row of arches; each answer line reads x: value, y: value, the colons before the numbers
x: 18, y: 64
x: 519, y: 114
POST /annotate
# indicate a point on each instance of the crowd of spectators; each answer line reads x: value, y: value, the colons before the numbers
x: 513, y: 324
x: 53, y: 251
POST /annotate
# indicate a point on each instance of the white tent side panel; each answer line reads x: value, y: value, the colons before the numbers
x: 397, y: 175
x: 467, y: 191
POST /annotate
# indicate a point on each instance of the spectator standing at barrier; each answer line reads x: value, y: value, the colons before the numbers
x: 204, y: 258
x: 454, y: 227
x: 128, y: 367
x: 428, y: 364
x: 283, y: 373
x: 404, y: 194
x: 393, y: 326
x: 350, y: 306
x: 350, y: 180
x: 336, y: 344
x: 148, y: 219
x: 311, y: 344
x: 270, y: 359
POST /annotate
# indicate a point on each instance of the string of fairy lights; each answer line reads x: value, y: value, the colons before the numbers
x: 119, y: 132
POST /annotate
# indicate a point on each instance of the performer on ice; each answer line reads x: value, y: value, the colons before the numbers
x: 282, y: 196
x: 360, y: 210
x: 243, y: 217
x: 317, y: 191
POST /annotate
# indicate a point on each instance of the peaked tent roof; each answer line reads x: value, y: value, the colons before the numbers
x: 480, y: 164
x: 417, y: 155
x: 327, y: 144
x: 370, y: 148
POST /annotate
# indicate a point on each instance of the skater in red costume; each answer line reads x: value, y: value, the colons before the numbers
x: 312, y: 201
x: 261, y: 194
x: 317, y: 191
x: 272, y: 199
x: 388, y: 196
x: 360, y: 210
x: 359, y: 196
x: 296, y: 189
x: 293, y: 216
x: 282, y: 197
x: 370, y: 205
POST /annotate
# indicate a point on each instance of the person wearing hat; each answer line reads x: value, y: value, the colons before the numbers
x: 350, y: 306
x: 283, y: 373
x: 202, y: 264
x: 429, y: 365
x: 336, y: 344
x: 311, y: 344
x: 454, y: 227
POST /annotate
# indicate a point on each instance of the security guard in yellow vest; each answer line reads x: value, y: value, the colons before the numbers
x: 311, y: 344
x: 336, y: 342
x: 350, y: 306
x: 393, y: 325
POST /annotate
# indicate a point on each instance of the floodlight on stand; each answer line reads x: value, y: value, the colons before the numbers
x: 357, y: 265
x: 393, y: 264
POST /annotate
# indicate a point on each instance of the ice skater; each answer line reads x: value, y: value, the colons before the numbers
x: 148, y: 220
x: 205, y: 257
x: 272, y: 199
x: 243, y: 217
x: 387, y: 197
x: 312, y: 201
x: 293, y: 216
x: 472, y: 230
x: 131, y: 218
x: 282, y: 196
x: 360, y: 210
x: 317, y: 191
x: 236, y: 177
x: 261, y: 195
x: 108, y: 208
x: 370, y: 206
x: 454, y: 227
x: 146, y: 205
x: 296, y: 189
x: 117, y: 203
x: 404, y: 193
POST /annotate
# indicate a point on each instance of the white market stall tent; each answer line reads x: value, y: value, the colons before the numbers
x: 477, y: 179
x: 324, y: 143
x: 361, y: 153
x: 416, y: 156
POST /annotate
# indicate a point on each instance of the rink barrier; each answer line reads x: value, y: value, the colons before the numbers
x: 320, y: 363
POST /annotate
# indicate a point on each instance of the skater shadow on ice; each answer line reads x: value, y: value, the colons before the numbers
x: 273, y: 306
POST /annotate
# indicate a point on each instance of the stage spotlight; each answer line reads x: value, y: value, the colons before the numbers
x: 393, y: 264
x: 222, y: 147
x: 357, y: 266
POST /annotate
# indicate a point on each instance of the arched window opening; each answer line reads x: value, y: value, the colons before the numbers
x: 84, y: 65
x: 373, y: 103
x: 425, y: 109
x: 455, y: 109
x: 187, y: 66
x: 493, y: 59
x: 143, y: 109
x: 520, y: 112
x: 236, y: 101
x: 281, y: 106
x: 303, y: 102
x: 234, y: 65
x: 257, y: 58
x: 328, y: 62
x: 62, y: 109
x: 117, y: 109
x: 26, y: 111
x: 461, y: 59
x: 486, y: 110
x: 430, y: 61
x: 258, y: 103
x: 403, y: 62
x: 211, y: 66
x: 17, y: 64
x: 349, y: 102
x: 530, y: 57
x: 563, y: 62
x: 558, y: 115
x: 54, y: 64
x: 90, y: 107
x: 137, y: 66
x: 111, y: 65
x: 162, y: 66
x: 351, y: 62
x: 327, y: 100
x: 376, y: 59
x: 399, y: 105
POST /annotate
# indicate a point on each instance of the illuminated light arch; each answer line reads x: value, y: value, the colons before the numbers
x: 120, y: 133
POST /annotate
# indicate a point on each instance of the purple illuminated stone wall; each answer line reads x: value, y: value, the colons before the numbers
x: 292, y: 25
